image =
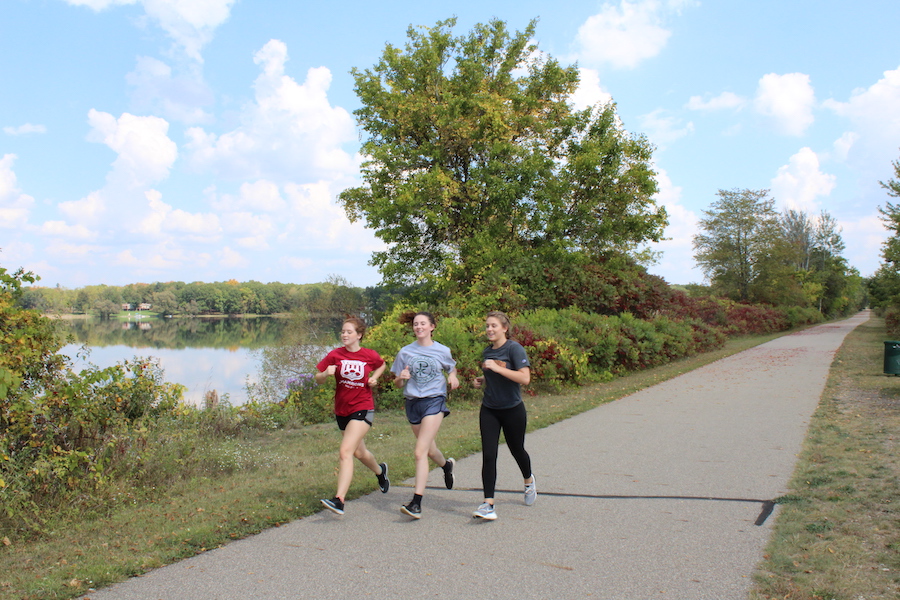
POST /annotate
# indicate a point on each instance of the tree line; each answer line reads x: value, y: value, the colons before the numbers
x: 197, y: 298
x: 750, y: 252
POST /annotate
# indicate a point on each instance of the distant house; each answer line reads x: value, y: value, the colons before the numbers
x: 126, y: 306
x: 144, y: 306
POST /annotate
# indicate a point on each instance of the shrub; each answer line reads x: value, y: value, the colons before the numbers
x: 892, y: 320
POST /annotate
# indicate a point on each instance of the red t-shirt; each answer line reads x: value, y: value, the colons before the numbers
x: 353, y: 370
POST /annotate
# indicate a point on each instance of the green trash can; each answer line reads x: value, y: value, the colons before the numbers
x: 892, y: 358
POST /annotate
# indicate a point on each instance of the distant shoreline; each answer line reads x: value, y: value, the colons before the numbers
x: 74, y: 317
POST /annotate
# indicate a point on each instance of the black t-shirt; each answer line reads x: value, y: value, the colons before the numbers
x: 500, y: 392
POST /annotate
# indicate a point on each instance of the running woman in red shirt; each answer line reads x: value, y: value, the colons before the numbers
x: 356, y: 370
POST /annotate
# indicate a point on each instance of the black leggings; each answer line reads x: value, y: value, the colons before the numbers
x: 513, y: 422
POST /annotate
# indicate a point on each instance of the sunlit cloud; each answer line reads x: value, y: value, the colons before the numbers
x: 64, y: 230
x: 15, y: 206
x: 589, y: 93
x: 874, y: 114
x: 24, y: 129
x: 798, y: 184
x: 724, y: 101
x: 85, y: 210
x: 677, y: 262
x: 625, y: 34
x: 290, y: 132
x: 864, y: 237
x: 145, y: 152
x: 788, y: 100
x: 190, y: 24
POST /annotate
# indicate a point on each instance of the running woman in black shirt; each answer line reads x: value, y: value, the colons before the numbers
x: 506, y: 368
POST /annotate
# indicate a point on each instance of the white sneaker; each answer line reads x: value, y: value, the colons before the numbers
x: 530, y: 492
x: 485, y: 511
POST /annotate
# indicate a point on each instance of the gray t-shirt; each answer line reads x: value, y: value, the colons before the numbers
x: 427, y: 365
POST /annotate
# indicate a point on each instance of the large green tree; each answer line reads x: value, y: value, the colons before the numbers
x: 884, y: 286
x: 476, y: 160
x: 739, y: 235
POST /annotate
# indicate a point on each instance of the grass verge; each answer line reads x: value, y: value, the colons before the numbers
x: 276, y: 476
x: 837, y: 533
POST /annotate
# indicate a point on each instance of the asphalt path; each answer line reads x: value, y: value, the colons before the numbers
x: 664, y: 494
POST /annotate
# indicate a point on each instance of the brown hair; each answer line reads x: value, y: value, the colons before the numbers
x: 409, y: 316
x: 358, y: 324
x: 500, y: 316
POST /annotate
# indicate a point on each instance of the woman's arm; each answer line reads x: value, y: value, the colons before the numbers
x: 373, y: 377
x: 402, y: 377
x: 321, y: 376
x: 452, y: 379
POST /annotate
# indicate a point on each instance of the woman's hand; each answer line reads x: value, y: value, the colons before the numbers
x: 493, y: 365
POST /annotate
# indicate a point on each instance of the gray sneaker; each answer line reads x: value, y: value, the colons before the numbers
x: 530, y: 492
x: 485, y: 511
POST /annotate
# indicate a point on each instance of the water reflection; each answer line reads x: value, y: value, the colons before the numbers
x: 201, y: 354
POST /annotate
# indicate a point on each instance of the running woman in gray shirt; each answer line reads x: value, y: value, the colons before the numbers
x: 419, y: 369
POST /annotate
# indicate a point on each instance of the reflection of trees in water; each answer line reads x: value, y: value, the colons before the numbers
x: 303, y: 343
x: 180, y: 333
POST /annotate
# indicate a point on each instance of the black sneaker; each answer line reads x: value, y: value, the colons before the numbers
x: 412, y: 509
x: 448, y: 473
x: 383, y: 482
x: 334, y: 505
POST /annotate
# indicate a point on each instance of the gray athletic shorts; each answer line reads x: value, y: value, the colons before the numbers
x: 419, y: 408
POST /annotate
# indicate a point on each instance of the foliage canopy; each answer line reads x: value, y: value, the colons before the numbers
x: 476, y: 160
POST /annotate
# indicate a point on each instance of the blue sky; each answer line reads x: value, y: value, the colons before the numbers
x: 207, y: 140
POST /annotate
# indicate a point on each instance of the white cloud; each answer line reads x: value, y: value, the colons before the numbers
x: 800, y: 182
x: 290, y: 132
x: 145, y: 151
x: 64, y: 230
x: 589, y: 93
x: 146, y: 262
x: 863, y: 238
x: 179, y: 98
x: 230, y: 259
x: 189, y: 23
x: 15, y: 206
x: 85, y: 210
x: 320, y: 223
x: 623, y: 35
x: 24, y: 129
x: 843, y: 144
x: 875, y: 115
x: 677, y: 263
x: 69, y: 253
x: 164, y: 220
x: 788, y: 100
x: 260, y: 195
x: 725, y: 100
x: 662, y: 129
x: 99, y: 5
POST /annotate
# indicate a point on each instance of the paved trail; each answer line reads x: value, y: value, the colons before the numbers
x: 657, y: 495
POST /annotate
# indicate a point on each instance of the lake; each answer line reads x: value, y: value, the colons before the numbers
x: 203, y: 354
